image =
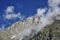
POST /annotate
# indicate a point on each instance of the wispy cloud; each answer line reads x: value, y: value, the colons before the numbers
x: 10, y: 9
x: 10, y: 14
x: 41, y: 11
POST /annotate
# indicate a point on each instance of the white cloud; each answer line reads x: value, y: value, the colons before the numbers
x: 9, y: 9
x: 54, y: 3
x: 41, y: 11
x: 10, y: 14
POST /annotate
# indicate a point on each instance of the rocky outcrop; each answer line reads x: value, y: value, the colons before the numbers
x: 50, y: 32
x: 12, y: 32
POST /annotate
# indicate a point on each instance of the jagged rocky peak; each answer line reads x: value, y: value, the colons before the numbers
x: 29, y: 22
x: 20, y: 29
x: 16, y: 30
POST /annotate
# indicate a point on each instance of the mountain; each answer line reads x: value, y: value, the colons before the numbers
x: 22, y: 30
x: 50, y: 32
x: 13, y: 32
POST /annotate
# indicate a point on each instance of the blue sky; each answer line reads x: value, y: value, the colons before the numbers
x: 26, y: 7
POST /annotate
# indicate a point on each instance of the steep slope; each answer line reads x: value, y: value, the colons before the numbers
x: 15, y: 30
x: 23, y: 29
x: 50, y: 32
